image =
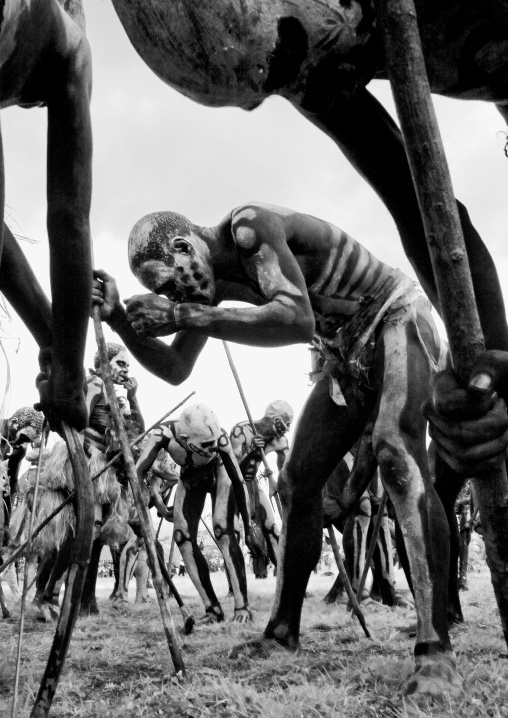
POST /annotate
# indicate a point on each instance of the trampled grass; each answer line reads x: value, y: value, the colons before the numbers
x: 119, y: 665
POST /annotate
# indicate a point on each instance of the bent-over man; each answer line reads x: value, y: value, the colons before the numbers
x: 380, y: 345
x: 198, y: 444
x: 270, y: 436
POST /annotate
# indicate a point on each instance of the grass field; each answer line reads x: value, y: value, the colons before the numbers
x: 118, y: 663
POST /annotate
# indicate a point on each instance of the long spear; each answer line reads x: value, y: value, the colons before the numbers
x: 268, y: 470
x: 443, y: 231
x: 141, y: 508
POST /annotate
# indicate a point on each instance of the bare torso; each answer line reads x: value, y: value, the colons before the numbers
x: 333, y: 264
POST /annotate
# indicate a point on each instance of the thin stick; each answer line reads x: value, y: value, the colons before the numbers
x: 408, y: 78
x: 71, y: 496
x: 268, y: 470
x: 217, y: 544
x: 372, y: 545
x: 25, y: 588
x: 141, y: 508
x: 171, y: 550
x: 347, y: 583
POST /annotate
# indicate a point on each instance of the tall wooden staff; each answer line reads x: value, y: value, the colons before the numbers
x: 410, y: 87
x: 81, y: 550
x: 141, y: 508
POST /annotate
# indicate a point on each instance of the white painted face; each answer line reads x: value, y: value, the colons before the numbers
x: 120, y: 367
x: 204, y: 449
x: 281, y: 415
x: 199, y: 430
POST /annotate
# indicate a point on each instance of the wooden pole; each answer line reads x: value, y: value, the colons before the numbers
x: 347, y: 583
x: 411, y: 90
x: 81, y: 550
x: 141, y: 508
x: 44, y: 434
x: 372, y: 544
x: 268, y: 470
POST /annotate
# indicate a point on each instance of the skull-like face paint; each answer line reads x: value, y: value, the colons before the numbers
x: 280, y: 426
x: 169, y: 257
x: 199, y: 429
x: 120, y: 367
x: 205, y: 449
x: 281, y: 415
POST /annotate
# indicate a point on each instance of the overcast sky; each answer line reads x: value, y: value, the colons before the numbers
x: 156, y: 150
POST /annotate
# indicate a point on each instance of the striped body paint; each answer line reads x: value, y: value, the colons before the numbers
x: 250, y: 461
x: 201, y: 475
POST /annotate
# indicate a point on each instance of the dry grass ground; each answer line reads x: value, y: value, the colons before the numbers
x: 118, y: 663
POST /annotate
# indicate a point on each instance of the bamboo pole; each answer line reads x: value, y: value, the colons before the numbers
x: 141, y: 508
x: 429, y: 169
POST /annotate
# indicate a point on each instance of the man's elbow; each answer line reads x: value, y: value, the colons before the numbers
x: 303, y: 329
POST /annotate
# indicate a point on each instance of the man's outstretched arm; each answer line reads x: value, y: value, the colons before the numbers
x: 172, y: 363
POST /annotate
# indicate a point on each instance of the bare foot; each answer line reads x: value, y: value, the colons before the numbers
x: 260, y: 647
x: 48, y: 612
x: 434, y: 679
x: 242, y: 615
x: 213, y: 614
x: 401, y: 601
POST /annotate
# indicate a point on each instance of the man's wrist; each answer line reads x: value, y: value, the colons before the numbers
x: 118, y: 319
x: 177, y: 316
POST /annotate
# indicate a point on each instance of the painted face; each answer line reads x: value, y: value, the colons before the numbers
x: 199, y: 429
x: 169, y: 258
x: 281, y: 425
x: 120, y: 367
x: 205, y: 449
x: 281, y: 415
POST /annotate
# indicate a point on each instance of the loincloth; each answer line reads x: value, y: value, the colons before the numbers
x: 348, y: 357
x: 205, y: 476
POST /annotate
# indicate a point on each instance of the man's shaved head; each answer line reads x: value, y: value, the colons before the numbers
x: 168, y: 256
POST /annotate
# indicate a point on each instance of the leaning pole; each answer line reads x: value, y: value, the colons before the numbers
x: 431, y: 178
x: 141, y: 508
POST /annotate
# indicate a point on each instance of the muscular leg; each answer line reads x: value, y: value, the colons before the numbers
x: 224, y: 507
x: 141, y: 573
x: 399, y: 443
x: 355, y: 542
x: 188, y: 507
x: 115, y: 557
x: 50, y: 597
x: 88, y: 599
x: 448, y: 485
x: 127, y: 562
x: 384, y: 572
x: 269, y: 527
x: 323, y: 435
